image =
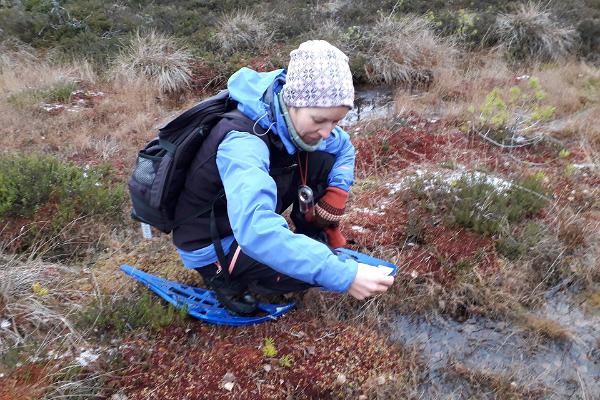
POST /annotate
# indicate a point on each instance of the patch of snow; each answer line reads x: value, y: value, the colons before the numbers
x: 86, y: 357
x: 369, y: 211
x: 444, y: 181
x: 5, y: 324
x: 52, y: 107
x: 583, y: 166
x: 359, y: 229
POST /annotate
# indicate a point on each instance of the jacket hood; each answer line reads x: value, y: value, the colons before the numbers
x: 256, y: 94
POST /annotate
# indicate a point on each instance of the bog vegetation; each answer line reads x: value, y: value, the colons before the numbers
x: 482, y: 184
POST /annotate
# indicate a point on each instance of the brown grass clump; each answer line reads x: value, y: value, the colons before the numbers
x: 157, y: 58
x: 532, y: 33
x: 544, y: 328
x: 457, y: 87
x: 500, y: 386
x: 405, y: 51
x: 241, y: 31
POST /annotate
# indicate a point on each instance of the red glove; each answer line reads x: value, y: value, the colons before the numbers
x: 328, y: 213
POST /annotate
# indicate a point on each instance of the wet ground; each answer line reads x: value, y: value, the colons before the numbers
x: 369, y: 104
x: 567, y: 370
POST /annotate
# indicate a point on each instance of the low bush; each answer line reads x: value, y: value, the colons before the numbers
x: 532, y: 33
x: 482, y: 203
x: 28, y: 183
x: 40, y: 196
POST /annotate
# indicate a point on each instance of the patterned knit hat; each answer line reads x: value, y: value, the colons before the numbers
x: 318, y: 75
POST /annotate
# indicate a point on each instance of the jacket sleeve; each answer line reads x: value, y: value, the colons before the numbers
x: 243, y: 163
x: 342, y: 172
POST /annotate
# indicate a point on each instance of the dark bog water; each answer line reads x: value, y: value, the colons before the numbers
x: 570, y: 369
x: 369, y: 104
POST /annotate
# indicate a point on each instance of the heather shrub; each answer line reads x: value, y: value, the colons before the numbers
x: 533, y: 33
x: 480, y: 202
x: 28, y: 183
x: 40, y: 196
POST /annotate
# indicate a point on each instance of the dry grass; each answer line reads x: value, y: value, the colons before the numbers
x: 544, y: 328
x: 406, y: 51
x: 157, y: 58
x: 458, y: 86
x: 532, y: 33
x: 242, y: 30
x: 38, y: 299
x: 117, y: 123
x: 571, y: 88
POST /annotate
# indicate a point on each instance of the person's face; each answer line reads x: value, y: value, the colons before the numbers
x: 315, y: 123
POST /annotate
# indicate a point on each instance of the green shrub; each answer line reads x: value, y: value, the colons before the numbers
x: 53, y: 208
x: 125, y: 314
x: 533, y: 33
x: 481, y: 206
x: 513, y: 246
x: 481, y: 203
x: 28, y: 183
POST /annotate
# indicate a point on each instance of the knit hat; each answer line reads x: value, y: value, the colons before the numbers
x: 318, y: 75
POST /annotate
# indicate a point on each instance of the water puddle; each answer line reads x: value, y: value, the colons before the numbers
x: 569, y: 370
x: 369, y: 104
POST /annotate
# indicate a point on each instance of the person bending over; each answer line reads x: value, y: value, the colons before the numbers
x: 281, y: 147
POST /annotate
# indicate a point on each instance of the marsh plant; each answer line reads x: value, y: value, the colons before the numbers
x: 480, y: 202
x: 158, y: 58
x: 242, y: 31
x: 43, y: 195
x: 532, y: 33
x: 405, y: 50
x: 510, y: 115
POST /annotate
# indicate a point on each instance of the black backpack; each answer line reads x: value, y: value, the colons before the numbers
x: 160, y: 169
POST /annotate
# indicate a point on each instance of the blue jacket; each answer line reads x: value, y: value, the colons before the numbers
x: 243, y: 164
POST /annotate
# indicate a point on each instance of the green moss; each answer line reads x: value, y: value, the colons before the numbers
x: 58, y: 93
x: 126, y: 314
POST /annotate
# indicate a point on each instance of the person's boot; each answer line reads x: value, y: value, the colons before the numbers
x: 233, y: 296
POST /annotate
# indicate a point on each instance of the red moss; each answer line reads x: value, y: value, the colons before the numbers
x: 193, y: 364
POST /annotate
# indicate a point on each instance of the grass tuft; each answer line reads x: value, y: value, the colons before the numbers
x: 532, y: 33
x: 405, y: 51
x: 242, y: 31
x: 158, y: 58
